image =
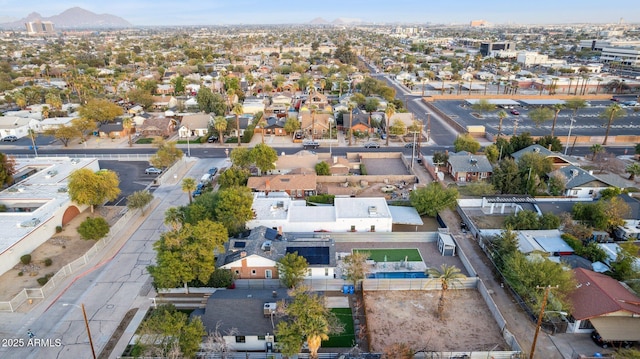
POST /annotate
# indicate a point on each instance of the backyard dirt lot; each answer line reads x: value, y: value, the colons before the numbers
x: 410, y: 317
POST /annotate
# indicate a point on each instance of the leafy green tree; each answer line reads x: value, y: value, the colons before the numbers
x: 291, y: 125
x: 166, y: 154
x: 540, y: 115
x: 7, y: 169
x: 557, y: 183
x: 100, y: 110
x: 483, y: 106
x: 624, y: 353
x: 84, y: 125
x: 527, y: 219
x: 610, y: 192
x: 372, y: 104
x: 520, y: 141
x: 93, y: 188
x: 550, y: 142
x: 210, y: 102
x: 63, y: 134
x: 492, y: 153
x: 233, y: 208
x: 241, y: 157
x: 189, y: 185
x: 264, y: 157
x: 440, y: 158
x: 466, y: 142
x: 448, y: 276
x: 139, y: 200
x: 292, y: 269
x: 506, y: 177
x: 398, y: 128
x: 233, y: 177
x: 307, y: 319
x: 167, y: 329
x: 623, y: 266
x: 432, y: 198
x: 187, y: 254
x: 356, y: 267
x: 601, y: 215
x: 141, y: 97
x: 322, y: 169
x: 504, y: 245
x: 93, y: 228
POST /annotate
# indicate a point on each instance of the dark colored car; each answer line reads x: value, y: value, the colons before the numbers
x: 595, y: 336
x: 213, y: 171
x: 515, y: 112
x: 212, y: 139
x: 409, y: 145
x: 9, y: 139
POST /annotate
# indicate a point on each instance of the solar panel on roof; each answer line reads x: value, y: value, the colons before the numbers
x: 239, y: 244
x: 313, y: 255
x: 271, y: 234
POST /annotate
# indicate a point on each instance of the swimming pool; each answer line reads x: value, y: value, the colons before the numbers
x: 396, y: 275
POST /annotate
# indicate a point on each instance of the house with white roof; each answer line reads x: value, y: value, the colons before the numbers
x: 278, y: 210
x: 36, y: 204
x: 17, y: 126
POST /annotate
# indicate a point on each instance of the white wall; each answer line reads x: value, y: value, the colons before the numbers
x: 251, y: 343
x: 340, y: 225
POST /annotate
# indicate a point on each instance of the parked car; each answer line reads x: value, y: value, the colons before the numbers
x: 371, y: 145
x: 9, y: 139
x: 212, y: 139
x: 213, y: 171
x: 152, y: 171
x: 595, y: 336
x: 409, y: 145
x: 515, y: 112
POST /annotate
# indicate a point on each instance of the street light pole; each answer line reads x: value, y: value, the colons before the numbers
x: 413, y: 149
x: 571, y: 121
x: 539, y: 324
x: 188, y: 148
x: 86, y: 324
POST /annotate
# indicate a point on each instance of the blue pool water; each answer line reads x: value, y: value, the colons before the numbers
x: 395, y: 275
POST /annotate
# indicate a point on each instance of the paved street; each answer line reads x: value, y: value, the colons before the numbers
x: 109, y: 286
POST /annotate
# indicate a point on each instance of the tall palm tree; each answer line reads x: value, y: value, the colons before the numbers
x: 556, y: 108
x: 611, y: 113
x: 350, y: 106
x: 314, y: 111
x: 595, y: 149
x: 502, y: 114
x: 389, y: 112
x: 448, y: 276
x: 237, y: 110
x: 173, y: 217
x: 189, y: 185
x: 127, y: 125
x: 220, y: 124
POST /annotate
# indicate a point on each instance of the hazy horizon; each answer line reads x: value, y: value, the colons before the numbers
x: 225, y: 12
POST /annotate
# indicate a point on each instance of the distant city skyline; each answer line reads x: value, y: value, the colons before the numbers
x: 226, y: 12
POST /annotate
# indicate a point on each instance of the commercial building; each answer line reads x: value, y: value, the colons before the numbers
x: 486, y: 48
x: 39, y: 27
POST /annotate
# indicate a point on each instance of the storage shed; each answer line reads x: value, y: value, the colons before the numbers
x: 446, y: 244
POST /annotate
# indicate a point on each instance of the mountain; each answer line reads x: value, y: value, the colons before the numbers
x: 73, y: 18
x: 318, y: 21
x: 346, y: 21
x: 4, y: 19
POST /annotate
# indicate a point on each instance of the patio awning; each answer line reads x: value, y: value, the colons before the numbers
x: 617, y: 328
x: 405, y: 215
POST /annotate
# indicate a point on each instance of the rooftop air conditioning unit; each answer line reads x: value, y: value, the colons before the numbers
x: 373, y: 210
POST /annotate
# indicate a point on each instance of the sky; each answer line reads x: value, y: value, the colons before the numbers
x: 229, y: 12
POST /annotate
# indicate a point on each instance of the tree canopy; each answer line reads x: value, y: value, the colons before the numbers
x: 7, y: 169
x: 100, y: 110
x: 466, y: 142
x: 264, y: 157
x: 166, y: 154
x: 93, y: 188
x: 433, y: 198
x: 292, y: 269
x: 139, y: 200
x: 233, y: 208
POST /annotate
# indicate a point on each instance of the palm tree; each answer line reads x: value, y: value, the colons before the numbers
x: 314, y: 111
x: 220, y: 124
x: 611, y: 113
x: 557, y: 107
x: 173, y: 217
x: 389, y: 112
x: 502, y: 114
x: 127, y: 125
x: 237, y: 110
x: 595, y: 149
x: 633, y: 170
x: 350, y: 106
x: 189, y: 185
x: 448, y: 276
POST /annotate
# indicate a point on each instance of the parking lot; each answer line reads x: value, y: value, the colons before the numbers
x: 587, y: 121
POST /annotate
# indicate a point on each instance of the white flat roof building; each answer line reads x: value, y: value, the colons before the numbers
x: 277, y: 210
x: 36, y: 204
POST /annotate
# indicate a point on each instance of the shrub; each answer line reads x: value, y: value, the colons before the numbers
x: 321, y: 198
x: 58, y: 229
x: 42, y: 280
x: 25, y: 259
x: 20, y: 274
x: 221, y: 278
x: 48, y: 262
x: 93, y: 228
x: 363, y: 169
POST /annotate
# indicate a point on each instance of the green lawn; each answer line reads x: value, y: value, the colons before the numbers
x: 347, y: 337
x: 393, y: 254
x: 143, y: 141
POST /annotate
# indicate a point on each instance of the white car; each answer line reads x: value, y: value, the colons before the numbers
x: 152, y: 171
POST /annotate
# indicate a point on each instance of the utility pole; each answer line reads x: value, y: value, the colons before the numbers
x: 428, y: 126
x: 547, y: 289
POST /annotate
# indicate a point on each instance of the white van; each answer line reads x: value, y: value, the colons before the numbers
x: 205, y: 178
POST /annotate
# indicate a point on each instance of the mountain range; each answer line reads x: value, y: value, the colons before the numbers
x: 338, y: 21
x: 74, y: 17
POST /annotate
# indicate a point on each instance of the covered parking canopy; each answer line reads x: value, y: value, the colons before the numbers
x: 617, y: 328
x: 495, y: 101
x: 405, y: 215
x: 542, y: 102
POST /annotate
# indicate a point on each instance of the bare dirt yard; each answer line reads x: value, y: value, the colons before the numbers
x: 410, y: 317
x: 62, y: 248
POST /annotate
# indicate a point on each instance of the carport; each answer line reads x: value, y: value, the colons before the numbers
x: 495, y: 101
x: 405, y: 215
x: 617, y: 328
x: 542, y: 102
